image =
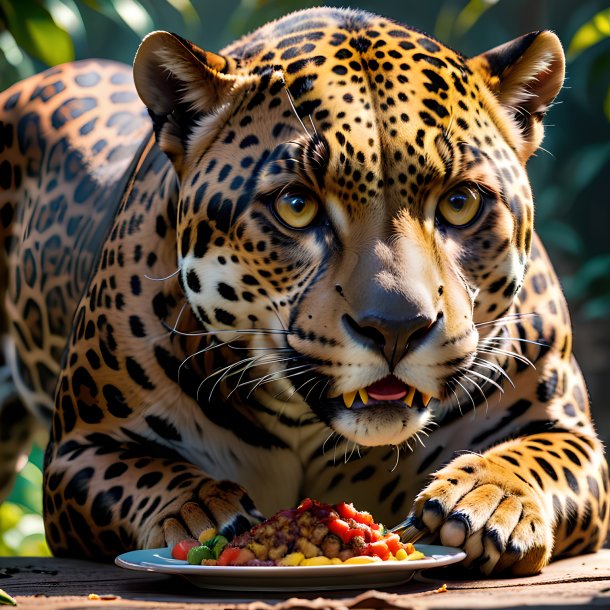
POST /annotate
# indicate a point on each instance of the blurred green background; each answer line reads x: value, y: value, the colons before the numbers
x: 571, y: 176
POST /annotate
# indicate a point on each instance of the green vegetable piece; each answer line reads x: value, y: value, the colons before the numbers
x: 198, y: 553
x: 219, y: 544
x: 6, y: 599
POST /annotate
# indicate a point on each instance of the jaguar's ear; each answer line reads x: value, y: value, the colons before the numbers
x: 181, y: 84
x: 525, y: 75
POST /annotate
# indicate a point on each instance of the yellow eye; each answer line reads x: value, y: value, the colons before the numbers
x: 296, y: 211
x: 459, y: 206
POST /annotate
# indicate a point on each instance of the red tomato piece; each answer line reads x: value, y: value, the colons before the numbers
x: 364, y: 518
x: 393, y: 543
x: 347, y: 511
x: 353, y: 532
x: 306, y: 504
x: 379, y: 548
x: 181, y: 550
x: 228, y: 555
x: 338, y: 527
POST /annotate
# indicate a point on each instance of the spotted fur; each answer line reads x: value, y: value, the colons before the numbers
x: 209, y: 341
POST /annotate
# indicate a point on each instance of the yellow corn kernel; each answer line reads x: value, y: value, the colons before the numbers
x: 401, y: 554
x: 416, y: 555
x: 207, y: 534
x: 292, y: 559
x: 335, y: 561
x: 320, y: 560
x: 363, y: 559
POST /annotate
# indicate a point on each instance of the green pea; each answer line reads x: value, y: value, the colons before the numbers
x: 198, y: 553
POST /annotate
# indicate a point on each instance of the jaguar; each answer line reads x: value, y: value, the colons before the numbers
x: 303, y: 266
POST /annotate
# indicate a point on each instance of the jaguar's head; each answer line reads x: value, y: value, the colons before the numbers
x: 354, y: 205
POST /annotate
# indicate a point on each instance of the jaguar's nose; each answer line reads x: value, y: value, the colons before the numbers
x: 392, y: 336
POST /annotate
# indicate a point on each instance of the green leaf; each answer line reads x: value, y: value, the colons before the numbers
x: 186, y: 10
x: 134, y: 15
x: 6, y: 599
x: 35, y: 31
x: 590, y: 33
x: 471, y: 13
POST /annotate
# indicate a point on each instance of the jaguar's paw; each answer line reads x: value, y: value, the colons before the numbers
x: 499, y: 520
x: 222, y: 505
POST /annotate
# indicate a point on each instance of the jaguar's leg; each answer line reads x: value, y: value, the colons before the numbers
x: 103, y: 498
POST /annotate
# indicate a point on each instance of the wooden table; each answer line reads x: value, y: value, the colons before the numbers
x: 58, y: 584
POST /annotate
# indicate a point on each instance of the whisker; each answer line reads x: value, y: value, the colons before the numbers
x: 296, y: 390
x: 294, y: 110
x: 478, y: 387
x: 459, y: 405
x: 397, y: 447
x: 519, y: 339
x: 270, y: 377
x: 507, y: 319
x: 497, y: 351
x: 312, y: 389
x: 163, y: 279
x: 326, y: 441
x: 251, y: 366
x: 487, y: 380
x: 494, y: 367
x: 467, y: 393
x: 179, y: 316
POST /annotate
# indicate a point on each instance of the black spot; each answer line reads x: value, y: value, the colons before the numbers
x: 388, y: 489
x: 547, y: 387
x: 192, y: 280
x: 224, y: 317
x: 429, y: 45
x: 546, y: 466
x: 148, y: 480
x: 430, y: 459
x: 77, y: 488
x: 103, y: 503
x: 364, y: 474
x: 437, y: 108
x: 6, y: 173
x: 71, y: 109
x: 137, y: 374
x: 571, y: 480
x: 137, y: 326
x: 227, y: 292
x: 115, y: 470
x: 115, y: 402
x: 163, y: 428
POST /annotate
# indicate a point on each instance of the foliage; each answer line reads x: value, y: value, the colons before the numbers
x: 21, y: 528
x: 572, y: 211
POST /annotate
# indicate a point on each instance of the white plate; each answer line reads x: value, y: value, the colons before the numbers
x: 262, y: 578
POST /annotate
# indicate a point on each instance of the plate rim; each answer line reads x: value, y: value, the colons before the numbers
x: 437, y: 556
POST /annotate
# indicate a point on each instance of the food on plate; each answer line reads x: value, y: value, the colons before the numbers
x: 312, y: 534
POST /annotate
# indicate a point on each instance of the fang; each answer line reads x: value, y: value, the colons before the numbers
x: 409, y: 397
x: 348, y: 398
x: 426, y: 399
x: 364, y: 397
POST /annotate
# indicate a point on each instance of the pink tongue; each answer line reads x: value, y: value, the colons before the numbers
x: 388, y: 388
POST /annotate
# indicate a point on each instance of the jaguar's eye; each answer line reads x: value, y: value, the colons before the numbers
x: 295, y: 210
x: 460, y: 206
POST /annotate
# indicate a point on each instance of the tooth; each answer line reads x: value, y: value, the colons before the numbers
x: 408, y: 399
x: 425, y: 399
x: 348, y: 398
x: 364, y: 397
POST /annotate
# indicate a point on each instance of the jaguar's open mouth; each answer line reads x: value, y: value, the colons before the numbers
x: 387, y: 390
